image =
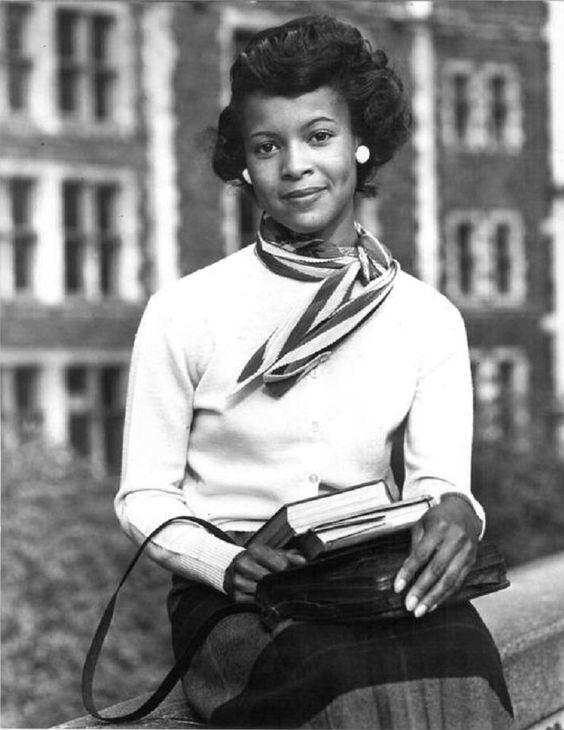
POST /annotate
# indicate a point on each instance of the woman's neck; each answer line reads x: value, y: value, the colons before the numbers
x: 282, y: 234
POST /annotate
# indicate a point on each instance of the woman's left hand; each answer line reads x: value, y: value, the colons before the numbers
x: 443, y: 549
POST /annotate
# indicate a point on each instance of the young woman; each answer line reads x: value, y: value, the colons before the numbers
x: 285, y: 370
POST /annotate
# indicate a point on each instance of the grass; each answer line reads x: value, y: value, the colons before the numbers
x: 63, y: 553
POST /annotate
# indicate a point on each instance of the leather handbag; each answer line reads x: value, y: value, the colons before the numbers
x: 351, y: 584
x: 356, y: 583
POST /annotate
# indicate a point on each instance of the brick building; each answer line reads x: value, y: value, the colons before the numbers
x: 106, y: 191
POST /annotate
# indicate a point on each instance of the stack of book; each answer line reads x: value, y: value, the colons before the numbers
x: 340, y: 519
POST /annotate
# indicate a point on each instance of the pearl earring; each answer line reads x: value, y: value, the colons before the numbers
x: 362, y: 154
x: 246, y: 177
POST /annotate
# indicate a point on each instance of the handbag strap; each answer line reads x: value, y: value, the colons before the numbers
x: 182, y: 664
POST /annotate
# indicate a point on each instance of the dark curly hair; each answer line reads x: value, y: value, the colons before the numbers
x: 299, y: 57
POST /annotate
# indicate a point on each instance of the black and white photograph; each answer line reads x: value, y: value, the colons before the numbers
x: 282, y: 364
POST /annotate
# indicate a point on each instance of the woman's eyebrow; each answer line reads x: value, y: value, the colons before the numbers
x: 310, y: 123
x: 320, y: 119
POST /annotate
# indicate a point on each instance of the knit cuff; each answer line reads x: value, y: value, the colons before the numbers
x: 209, y: 559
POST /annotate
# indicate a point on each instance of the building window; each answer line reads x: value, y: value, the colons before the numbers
x: 485, y: 258
x: 497, y: 107
x: 501, y: 393
x: 111, y: 385
x: 22, y: 416
x: 501, y: 107
x: 506, y: 257
x: 92, y: 241
x: 459, y: 111
x: 86, y: 67
x: 19, y: 238
x: 465, y: 257
x: 17, y: 60
x: 80, y: 417
x: 461, y: 105
x: 481, y: 107
x: 96, y: 407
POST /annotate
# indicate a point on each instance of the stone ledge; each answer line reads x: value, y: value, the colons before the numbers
x: 527, y: 623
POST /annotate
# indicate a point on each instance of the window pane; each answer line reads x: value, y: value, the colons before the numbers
x: 502, y: 258
x: 80, y: 433
x: 74, y: 265
x: 461, y: 105
x: 110, y: 387
x: 108, y: 240
x: 113, y: 436
x: 465, y: 258
x: 25, y: 387
x: 105, y: 207
x: 100, y: 37
x: 18, y: 85
x: 69, y: 90
x: 76, y: 378
x: 113, y: 415
x: 67, y: 28
x: 498, y: 110
x: 72, y: 198
x: 24, y: 252
x: 20, y: 194
x: 506, y: 396
x: 75, y: 238
x: 102, y: 88
x: 108, y: 261
x: 16, y: 19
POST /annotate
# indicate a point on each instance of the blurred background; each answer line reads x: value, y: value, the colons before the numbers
x: 106, y: 194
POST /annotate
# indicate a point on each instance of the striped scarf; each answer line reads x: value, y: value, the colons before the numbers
x: 308, y: 336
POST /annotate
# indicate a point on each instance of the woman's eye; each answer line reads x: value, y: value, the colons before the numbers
x: 266, y: 148
x: 321, y: 136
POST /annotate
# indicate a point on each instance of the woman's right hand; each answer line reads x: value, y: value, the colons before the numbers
x: 247, y: 568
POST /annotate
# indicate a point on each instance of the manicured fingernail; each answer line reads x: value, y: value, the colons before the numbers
x: 411, y: 602
x: 399, y: 585
x: 432, y: 608
x: 420, y: 610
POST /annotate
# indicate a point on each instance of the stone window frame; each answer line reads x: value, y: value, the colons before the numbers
x: 21, y: 421
x: 489, y: 401
x: 28, y: 233
x: 43, y: 114
x: 451, y: 69
x: 91, y: 416
x: 96, y: 245
x: 49, y: 418
x: 16, y: 64
x: 49, y: 177
x: 484, y: 291
x: 480, y: 137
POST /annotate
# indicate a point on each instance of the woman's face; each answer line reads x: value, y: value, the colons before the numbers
x: 300, y: 156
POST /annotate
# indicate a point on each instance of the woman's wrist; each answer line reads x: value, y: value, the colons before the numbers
x: 446, y: 496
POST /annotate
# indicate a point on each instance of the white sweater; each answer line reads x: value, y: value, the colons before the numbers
x: 189, y: 449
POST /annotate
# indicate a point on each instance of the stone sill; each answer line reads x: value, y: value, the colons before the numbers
x: 527, y: 623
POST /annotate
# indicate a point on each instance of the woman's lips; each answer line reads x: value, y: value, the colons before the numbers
x: 303, y: 194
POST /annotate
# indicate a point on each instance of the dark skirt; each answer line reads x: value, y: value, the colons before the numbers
x: 441, y: 671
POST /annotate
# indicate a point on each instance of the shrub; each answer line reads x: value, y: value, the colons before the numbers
x: 522, y: 491
x: 62, y: 555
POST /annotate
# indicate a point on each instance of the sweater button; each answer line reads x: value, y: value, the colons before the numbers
x: 314, y: 478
